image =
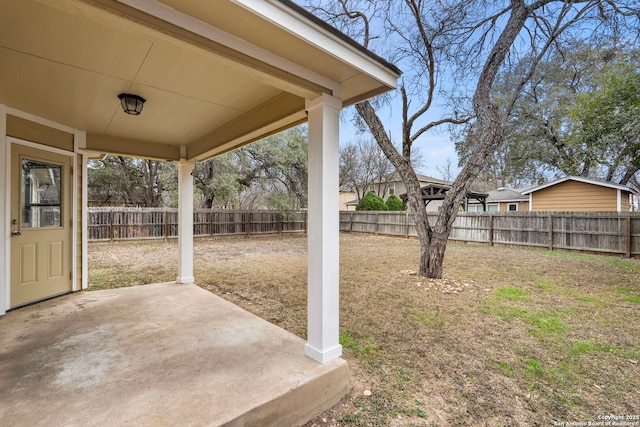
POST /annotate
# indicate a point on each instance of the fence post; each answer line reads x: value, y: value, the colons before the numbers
x: 550, y: 232
x: 490, y: 230
x: 165, y: 225
x: 350, y: 221
x: 406, y: 223
x: 111, y: 226
x: 628, y: 237
x: 280, y: 223
x: 377, y: 223
x: 247, y: 223
x: 306, y: 217
x: 210, y: 212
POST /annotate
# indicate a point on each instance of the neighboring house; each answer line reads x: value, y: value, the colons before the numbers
x: 502, y: 200
x: 580, y: 194
x: 391, y: 185
x: 348, y: 199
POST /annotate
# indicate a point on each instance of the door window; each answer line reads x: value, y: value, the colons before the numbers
x: 41, y: 194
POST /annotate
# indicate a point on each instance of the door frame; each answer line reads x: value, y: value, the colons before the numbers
x: 5, y: 195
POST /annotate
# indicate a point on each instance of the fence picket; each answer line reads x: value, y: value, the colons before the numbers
x: 608, y: 232
x: 152, y: 223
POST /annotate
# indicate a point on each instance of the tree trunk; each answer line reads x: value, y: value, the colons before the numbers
x: 491, y: 131
x: 433, y: 241
x: 415, y: 201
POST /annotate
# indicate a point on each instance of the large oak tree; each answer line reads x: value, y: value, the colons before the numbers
x: 451, y: 53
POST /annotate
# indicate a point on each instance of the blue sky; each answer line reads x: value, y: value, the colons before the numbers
x: 435, y: 148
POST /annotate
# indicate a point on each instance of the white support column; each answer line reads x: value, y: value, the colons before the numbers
x: 80, y: 146
x: 323, y: 297
x: 185, y: 221
x: 5, y: 230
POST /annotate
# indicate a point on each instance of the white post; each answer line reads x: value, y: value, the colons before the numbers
x: 323, y: 342
x: 5, y: 229
x: 185, y: 221
x: 619, y: 201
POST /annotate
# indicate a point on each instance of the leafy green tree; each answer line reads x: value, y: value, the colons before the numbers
x: 371, y: 202
x: 221, y: 181
x: 607, y: 125
x: 280, y: 165
x: 395, y: 204
x: 542, y: 137
x: 129, y: 181
x: 268, y: 173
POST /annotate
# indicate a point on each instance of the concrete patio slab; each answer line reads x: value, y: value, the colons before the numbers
x: 157, y: 355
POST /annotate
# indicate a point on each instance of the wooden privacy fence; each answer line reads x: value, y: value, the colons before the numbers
x: 153, y: 223
x: 607, y: 232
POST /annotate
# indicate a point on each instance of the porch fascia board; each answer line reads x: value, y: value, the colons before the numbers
x: 131, y: 147
x: 286, y: 109
x: 284, y: 16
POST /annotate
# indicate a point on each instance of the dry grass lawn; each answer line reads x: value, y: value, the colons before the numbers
x: 510, y: 337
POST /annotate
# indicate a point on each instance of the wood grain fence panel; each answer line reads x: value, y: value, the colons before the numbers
x: 393, y: 223
x: 606, y: 232
x: 141, y: 223
x: 471, y: 227
x: 610, y: 232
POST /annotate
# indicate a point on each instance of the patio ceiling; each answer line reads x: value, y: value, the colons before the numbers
x: 216, y: 74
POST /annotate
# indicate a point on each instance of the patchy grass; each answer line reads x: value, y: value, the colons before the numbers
x: 510, y: 337
x: 509, y: 293
x: 430, y: 319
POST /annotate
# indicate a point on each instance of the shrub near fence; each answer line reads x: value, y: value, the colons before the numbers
x: 607, y: 232
x: 153, y: 223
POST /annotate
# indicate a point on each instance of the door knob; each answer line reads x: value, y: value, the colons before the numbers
x: 16, y: 233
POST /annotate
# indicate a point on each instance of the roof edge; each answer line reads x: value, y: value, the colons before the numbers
x: 583, y: 180
x: 339, y: 34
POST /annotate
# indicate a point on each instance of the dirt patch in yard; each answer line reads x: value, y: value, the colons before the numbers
x: 510, y: 337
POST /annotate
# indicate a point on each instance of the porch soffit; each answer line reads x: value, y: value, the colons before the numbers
x: 216, y: 75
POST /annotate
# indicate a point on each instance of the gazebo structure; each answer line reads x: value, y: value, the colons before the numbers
x: 438, y: 191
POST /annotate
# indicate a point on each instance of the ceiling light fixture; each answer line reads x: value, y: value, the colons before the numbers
x: 131, y: 104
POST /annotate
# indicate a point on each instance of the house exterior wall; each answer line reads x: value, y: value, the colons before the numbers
x: 344, y: 198
x: 27, y: 130
x: 502, y: 206
x: 53, y: 137
x: 522, y: 206
x: 625, y: 202
x: 575, y: 196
